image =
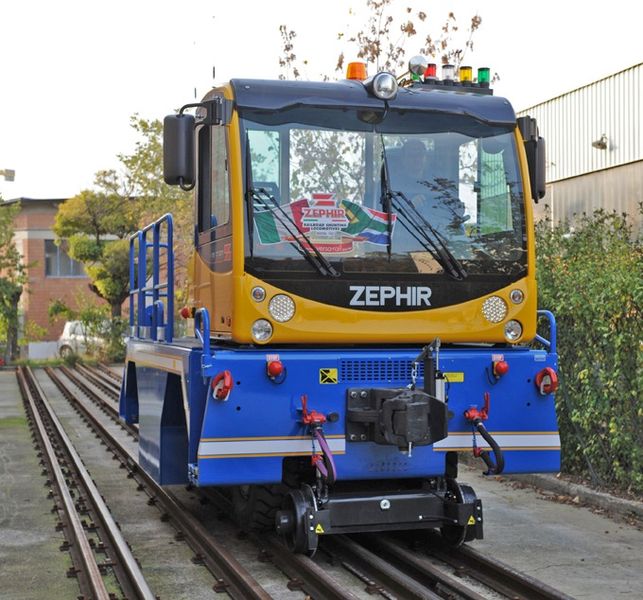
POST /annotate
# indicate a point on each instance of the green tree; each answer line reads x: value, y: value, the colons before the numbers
x: 89, y: 222
x: 591, y: 277
x: 12, y: 279
x: 96, y: 223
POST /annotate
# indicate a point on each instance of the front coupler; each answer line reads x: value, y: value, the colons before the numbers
x: 304, y: 518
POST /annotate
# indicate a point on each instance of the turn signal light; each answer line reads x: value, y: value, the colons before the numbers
x: 500, y: 368
x: 274, y: 368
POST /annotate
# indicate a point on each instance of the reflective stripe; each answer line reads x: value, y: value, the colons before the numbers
x: 257, y: 446
x: 506, y: 441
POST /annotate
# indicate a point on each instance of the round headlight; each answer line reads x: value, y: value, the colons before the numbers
x: 261, y: 330
x: 385, y: 86
x: 494, y: 309
x: 516, y: 296
x: 282, y: 308
x: 418, y: 64
x: 258, y: 293
x: 513, y: 331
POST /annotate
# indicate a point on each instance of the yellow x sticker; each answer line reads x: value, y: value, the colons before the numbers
x: 328, y: 376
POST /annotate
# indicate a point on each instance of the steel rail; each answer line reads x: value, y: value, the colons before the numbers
x: 108, y: 407
x: 135, y: 582
x: 418, y: 567
x: 303, y: 573
x: 386, y: 575
x: 495, y: 574
x: 109, y: 386
x: 105, y: 369
x: 231, y: 576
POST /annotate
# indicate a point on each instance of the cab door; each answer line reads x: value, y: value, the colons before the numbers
x: 213, y: 235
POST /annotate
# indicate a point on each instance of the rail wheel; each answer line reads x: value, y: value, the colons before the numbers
x: 292, y: 524
x: 255, y: 506
x: 456, y: 535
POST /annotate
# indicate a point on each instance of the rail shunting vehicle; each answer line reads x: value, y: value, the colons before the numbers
x: 363, y: 297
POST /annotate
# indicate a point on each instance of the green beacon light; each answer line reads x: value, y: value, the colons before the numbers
x: 483, y: 77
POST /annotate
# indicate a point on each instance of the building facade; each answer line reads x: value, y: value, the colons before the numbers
x: 594, y: 140
x: 52, y: 274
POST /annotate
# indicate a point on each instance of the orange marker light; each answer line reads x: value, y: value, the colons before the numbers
x: 356, y: 70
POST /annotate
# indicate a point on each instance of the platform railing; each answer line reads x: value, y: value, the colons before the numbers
x: 550, y: 344
x: 151, y: 295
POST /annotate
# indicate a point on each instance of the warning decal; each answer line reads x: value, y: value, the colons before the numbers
x: 328, y: 376
x: 319, y: 528
x: 471, y: 521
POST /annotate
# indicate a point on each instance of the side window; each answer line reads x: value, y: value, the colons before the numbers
x: 264, y: 150
x: 495, y: 199
x: 220, y: 213
x: 484, y: 188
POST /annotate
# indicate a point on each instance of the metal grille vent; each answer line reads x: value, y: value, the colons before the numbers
x: 388, y: 371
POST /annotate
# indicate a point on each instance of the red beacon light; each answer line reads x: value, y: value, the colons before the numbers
x: 431, y: 72
x: 186, y: 312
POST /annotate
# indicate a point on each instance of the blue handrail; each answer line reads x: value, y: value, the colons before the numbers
x: 202, y: 332
x: 154, y: 320
x: 550, y: 344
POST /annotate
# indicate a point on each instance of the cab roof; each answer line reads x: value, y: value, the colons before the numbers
x: 277, y: 95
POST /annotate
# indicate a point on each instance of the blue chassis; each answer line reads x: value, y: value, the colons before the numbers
x: 188, y: 435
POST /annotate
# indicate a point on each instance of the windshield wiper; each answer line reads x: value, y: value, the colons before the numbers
x: 315, y: 258
x: 428, y: 237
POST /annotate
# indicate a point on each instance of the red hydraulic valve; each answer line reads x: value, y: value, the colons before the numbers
x: 546, y: 381
x: 474, y: 414
x: 313, y: 417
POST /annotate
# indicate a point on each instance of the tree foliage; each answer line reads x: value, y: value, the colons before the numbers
x: 12, y: 279
x: 96, y: 223
x: 386, y: 35
x: 592, y: 279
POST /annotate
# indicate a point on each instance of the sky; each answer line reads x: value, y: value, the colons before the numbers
x: 72, y: 73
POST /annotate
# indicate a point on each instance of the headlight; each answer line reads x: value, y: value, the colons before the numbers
x: 384, y: 86
x: 281, y: 307
x: 258, y: 293
x: 516, y: 296
x: 494, y: 309
x: 261, y: 330
x: 513, y: 331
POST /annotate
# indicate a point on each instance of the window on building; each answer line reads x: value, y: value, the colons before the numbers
x: 59, y: 264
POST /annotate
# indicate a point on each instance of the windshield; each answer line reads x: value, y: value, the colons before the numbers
x: 406, y: 193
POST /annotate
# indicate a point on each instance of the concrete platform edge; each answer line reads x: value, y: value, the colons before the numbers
x: 613, y: 504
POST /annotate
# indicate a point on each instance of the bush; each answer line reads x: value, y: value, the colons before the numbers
x: 592, y: 279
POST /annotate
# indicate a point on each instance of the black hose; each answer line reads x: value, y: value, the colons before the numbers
x: 498, y: 467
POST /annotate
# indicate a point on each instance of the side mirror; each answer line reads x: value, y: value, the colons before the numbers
x: 535, y: 150
x: 178, y: 150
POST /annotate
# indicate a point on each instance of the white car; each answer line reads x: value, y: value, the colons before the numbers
x: 74, y: 340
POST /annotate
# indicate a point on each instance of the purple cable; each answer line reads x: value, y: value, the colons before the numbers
x: 331, y: 476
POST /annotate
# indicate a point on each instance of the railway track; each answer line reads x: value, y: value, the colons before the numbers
x: 380, y: 565
x: 84, y: 516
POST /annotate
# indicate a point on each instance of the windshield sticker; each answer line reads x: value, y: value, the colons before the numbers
x: 332, y: 226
